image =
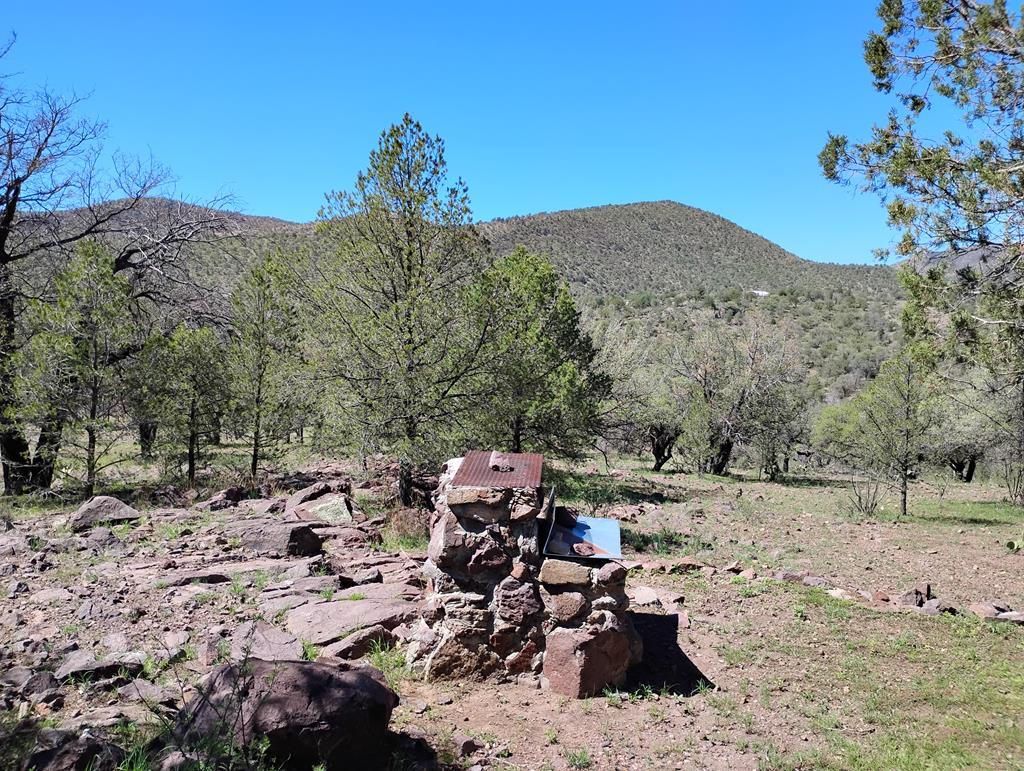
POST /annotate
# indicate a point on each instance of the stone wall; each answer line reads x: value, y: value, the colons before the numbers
x: 494, y: 606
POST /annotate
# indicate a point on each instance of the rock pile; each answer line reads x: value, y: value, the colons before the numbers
x: 494, y: 605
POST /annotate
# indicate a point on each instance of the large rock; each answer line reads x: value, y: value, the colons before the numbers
x: 484, y: 504
x: 310, y: 713
x: 360, y: 643
x: 321, y: 623
x: 82, y: 664
x: 266, y: 537
x: 306, y: 494
x: 580, y: 662
x: 69, y: 751
x: 260, y: 640
x: 102, y: 508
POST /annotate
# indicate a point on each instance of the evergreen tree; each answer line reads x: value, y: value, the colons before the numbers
x: 548, y: 393
x: 263, y: 359
x: 387, y: 311
x: 73, y: 361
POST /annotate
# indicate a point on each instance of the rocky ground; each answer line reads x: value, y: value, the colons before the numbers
x: 777, y: 632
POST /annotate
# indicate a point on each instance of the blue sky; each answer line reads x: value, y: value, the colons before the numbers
x: 543, y: 106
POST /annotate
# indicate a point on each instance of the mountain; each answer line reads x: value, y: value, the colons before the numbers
x: 668, y: 248
x: 667, y: 267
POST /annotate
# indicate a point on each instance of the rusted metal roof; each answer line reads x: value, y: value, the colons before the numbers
x: 476, y: 470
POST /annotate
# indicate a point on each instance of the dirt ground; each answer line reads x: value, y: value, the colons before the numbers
x: 740, y: 672
x: 773, y: 674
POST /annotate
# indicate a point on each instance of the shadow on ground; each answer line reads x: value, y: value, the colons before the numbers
x: 665, y: 667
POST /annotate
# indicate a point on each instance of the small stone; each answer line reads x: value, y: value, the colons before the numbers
x: 465, y: 745
x: 444, y: 699
x: 643, y: 595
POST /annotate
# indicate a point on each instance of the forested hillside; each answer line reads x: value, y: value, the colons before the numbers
x: 670, y: 265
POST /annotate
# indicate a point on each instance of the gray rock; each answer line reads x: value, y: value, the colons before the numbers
x: 322, y: 623
x: 67, y: 751
x: 102, y: 508
x: 83, y: 664
x: 258, y: 639
x: 360, y: 643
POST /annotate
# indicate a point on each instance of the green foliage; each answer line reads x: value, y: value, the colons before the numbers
x: 198, y: 389
x: 886, y: 428
x: 391, y: 662
x: 263, y: 359
x: 386, y: 309
x: 547, y: 391
x: 70, y: 370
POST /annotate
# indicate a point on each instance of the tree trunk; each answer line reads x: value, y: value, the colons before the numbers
x: 405, y: 481
x: 903, y: 494
x: 215, y: 430
x: 662, y: 442
x: 256, y: 428
x: 968, y: 474
x: 517, y: 434
x: 14, y: 447
x: 44, y: 462
x: 720, y: 460
x: 90, y: 433
x: 193, y: 444
x: 147, y: 438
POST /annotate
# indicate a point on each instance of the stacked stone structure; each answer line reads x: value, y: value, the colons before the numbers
x: 496, y: 606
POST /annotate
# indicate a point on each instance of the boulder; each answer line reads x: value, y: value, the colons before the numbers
x: 281, y: 538
x: 580, y: 663
x: 102, y: 508
x: 564, y: 607
x: 322, y: 623
x: 484, y: 504
x: 516, y: 601
x: 83, y: 664
x: 360, y: 643
x: 309, y: 713
x: 306, y: 494
x: 935, y: 607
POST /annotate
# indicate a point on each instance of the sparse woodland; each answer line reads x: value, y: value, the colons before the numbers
x: 787, y: 446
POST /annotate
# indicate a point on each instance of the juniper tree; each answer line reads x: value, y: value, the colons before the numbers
x: 80, y: 341
x: 263, y: 358
x: 885, y: 429
x: 548, y: 393
x: 198, y: 393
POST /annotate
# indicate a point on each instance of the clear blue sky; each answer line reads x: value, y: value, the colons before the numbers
x: 543, y: 106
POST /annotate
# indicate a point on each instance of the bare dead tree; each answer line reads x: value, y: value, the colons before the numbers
x: 58, y: 188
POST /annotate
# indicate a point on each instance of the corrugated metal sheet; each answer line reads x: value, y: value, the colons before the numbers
x: 476, y: 470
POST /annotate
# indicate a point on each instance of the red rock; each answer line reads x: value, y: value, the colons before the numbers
x: 878, y: 596
x: 581, y: 662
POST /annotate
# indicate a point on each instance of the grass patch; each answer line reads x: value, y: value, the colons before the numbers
x: 391, y: 662
x: 663, y: 541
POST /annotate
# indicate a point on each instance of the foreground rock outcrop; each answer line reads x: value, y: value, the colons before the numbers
x: 331, y: 713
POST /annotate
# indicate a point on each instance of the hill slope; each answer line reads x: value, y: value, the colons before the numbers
x: 665, y: 248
